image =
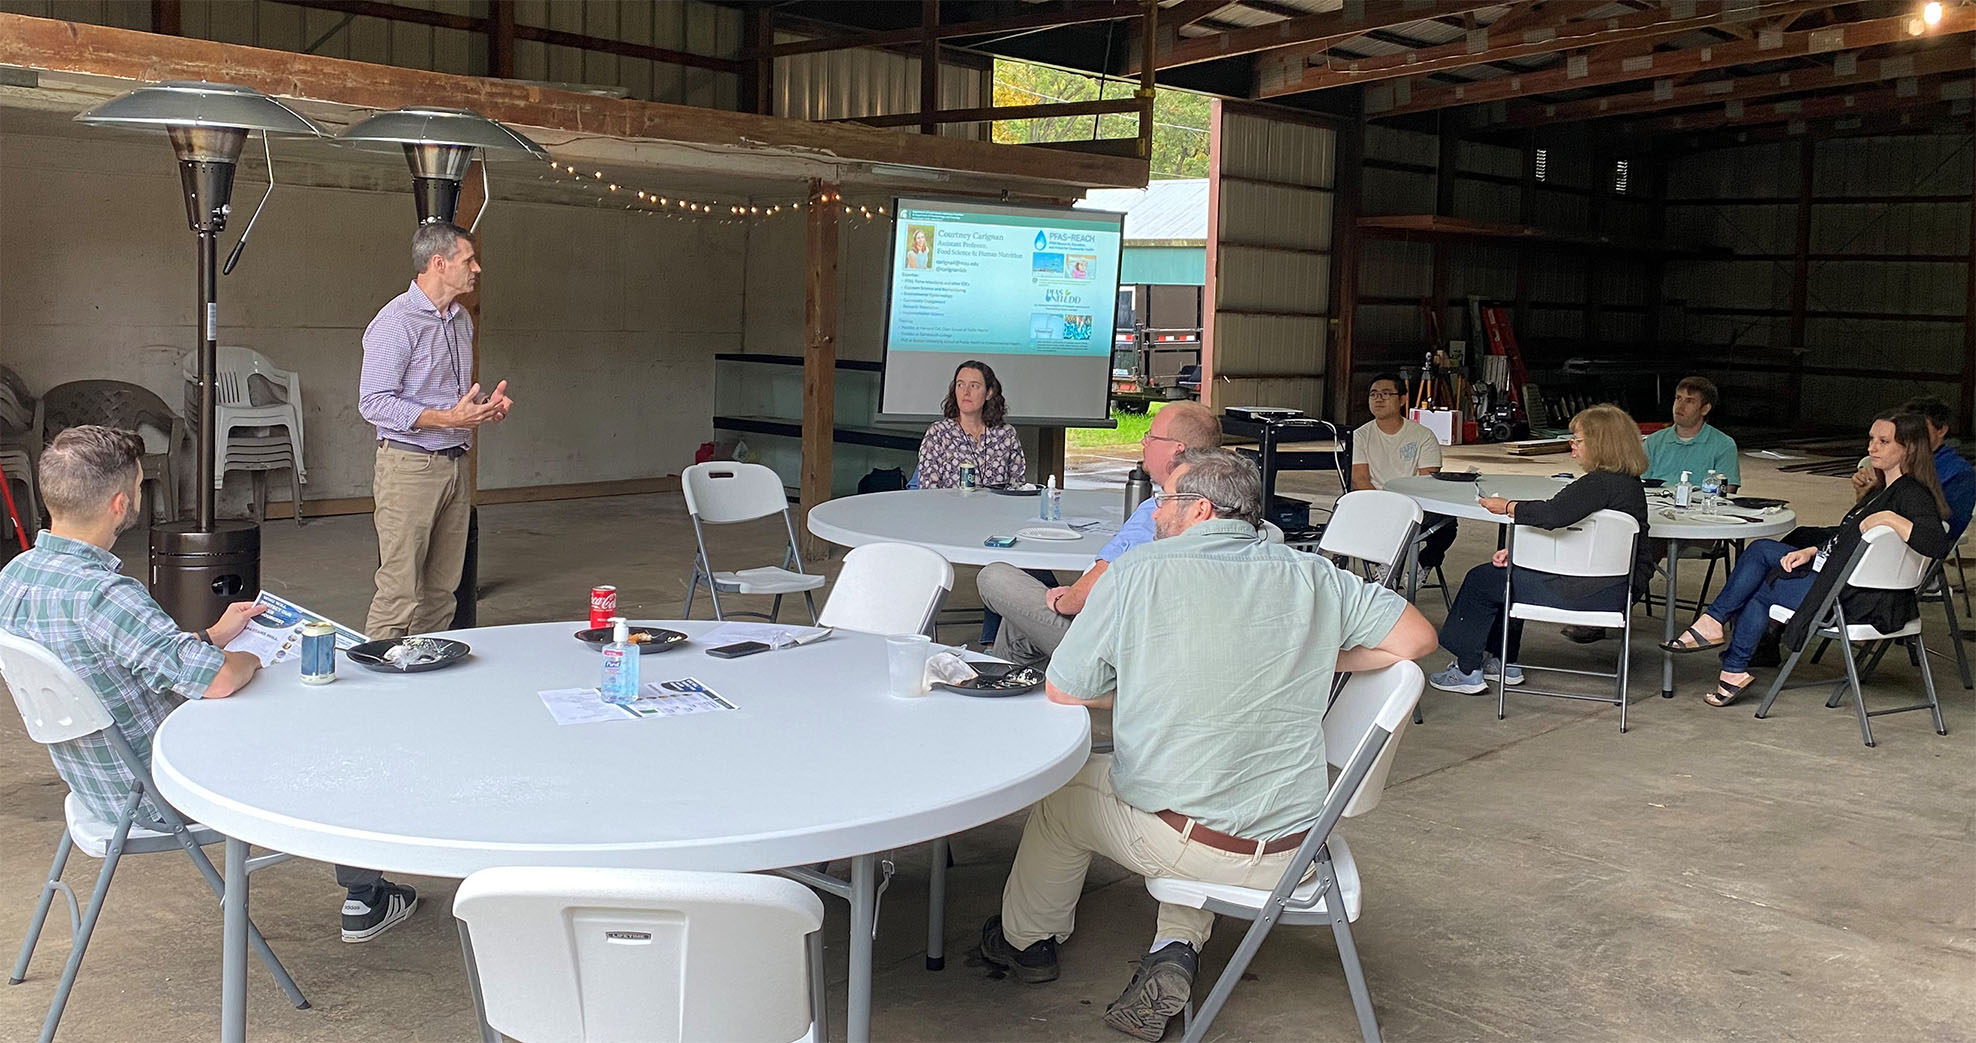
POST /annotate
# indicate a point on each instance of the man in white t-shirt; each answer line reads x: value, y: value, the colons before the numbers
x: 1390, y: 446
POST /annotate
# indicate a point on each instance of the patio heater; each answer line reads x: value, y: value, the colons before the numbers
x: 439, y: 145
x: 198, y: 568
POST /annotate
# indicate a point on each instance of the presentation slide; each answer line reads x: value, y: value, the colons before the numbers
x: 1032, y: 291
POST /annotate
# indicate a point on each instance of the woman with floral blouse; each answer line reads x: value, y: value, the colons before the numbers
x: 974, y: 432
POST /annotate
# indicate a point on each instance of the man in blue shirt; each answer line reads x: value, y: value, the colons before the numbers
x: 1692, y: 445
x: 1035, y: 617
x: 1957, y: 477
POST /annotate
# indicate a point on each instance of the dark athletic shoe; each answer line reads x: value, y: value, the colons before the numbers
x: 1159, y: 990
x: 1035, y: 965
x: 1583, y: 635
x: 390, y: 905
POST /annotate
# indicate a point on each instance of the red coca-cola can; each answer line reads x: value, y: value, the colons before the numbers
x: 603, y: 605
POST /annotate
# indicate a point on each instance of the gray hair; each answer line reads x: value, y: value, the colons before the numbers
x: 1225, y: 478
x: 87, y: 465
x: 434, y: 240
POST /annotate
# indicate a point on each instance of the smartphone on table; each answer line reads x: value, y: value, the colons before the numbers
x: 737, y: 649
x: 999, y: 542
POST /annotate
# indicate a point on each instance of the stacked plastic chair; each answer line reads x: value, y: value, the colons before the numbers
x: 258, y: 420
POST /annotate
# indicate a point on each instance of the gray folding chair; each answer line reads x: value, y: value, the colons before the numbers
x: 1602, y: 545
x: 1881, y: 562
x: 59, y: 706
x: 1362, y: 732
x: 1937, y: 588
x: 723, y: 493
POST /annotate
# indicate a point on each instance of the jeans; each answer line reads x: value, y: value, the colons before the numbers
x: 991, y: 620
x: 359, y: 882
x: 1475, y: 626
x: 1748, y: 596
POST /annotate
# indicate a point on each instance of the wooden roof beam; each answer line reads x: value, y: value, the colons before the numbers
x: 1187, y: 12
x: 1044, y: 18
x: 1848, y: 69
x: 1909, y: 94
x: 1401, y: 99
x: 541, y: 34
x: 1291, y: 72
x: 1317, y: 29
x: 797, y: 148
x: 1877, y: 124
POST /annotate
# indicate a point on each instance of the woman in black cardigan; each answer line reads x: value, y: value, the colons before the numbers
x: 1606, y: 443
x: 1903, y: 495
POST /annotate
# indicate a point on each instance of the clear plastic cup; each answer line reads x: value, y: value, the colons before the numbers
x: 905, y: 664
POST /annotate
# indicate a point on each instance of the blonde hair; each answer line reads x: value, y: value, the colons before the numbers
x: 1611, y: 440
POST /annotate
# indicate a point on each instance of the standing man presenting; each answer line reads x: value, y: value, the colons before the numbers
x: 417, y: 389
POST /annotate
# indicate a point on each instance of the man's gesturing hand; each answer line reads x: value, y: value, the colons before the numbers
x: 472, y: 411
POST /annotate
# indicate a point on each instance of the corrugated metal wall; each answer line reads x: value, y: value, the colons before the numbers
x: 1572, y: 301
x: 1272, y: 187
x: 1886, y: 273
x: 869, y: 82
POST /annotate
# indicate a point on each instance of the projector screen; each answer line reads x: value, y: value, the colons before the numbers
x: 1030, y: 290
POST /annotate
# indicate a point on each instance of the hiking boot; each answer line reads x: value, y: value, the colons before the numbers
x: 1159, y: 990
x: 1034, y: 965
x: 390, y: 905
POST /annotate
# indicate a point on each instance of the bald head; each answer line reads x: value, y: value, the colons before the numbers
x: 1192, y: 423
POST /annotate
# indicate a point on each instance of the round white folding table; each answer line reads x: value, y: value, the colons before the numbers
x: 452, y: 771
x: 953, y: 524
x: 1664, y: 522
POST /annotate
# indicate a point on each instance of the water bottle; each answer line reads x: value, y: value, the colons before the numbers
x: 620, y: 684
x: 1138, y: 486
x: 1684, y: 491
x: 1711, y: 489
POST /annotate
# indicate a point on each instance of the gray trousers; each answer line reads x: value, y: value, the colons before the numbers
x: 1030, y: 630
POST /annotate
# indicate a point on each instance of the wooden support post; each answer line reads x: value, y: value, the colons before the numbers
x: 1446, y: 168
x: 1149, y: 34
x: 929, y: 66
x: 1345, y: 206
x: 501, y: 39
x: 1801, y: 277
x: 1050, y: 444
x: 1969, y: 324
x: 1211, y: 288
x: 819, y: 358
x: 758, y: 79
x: 165, y: 17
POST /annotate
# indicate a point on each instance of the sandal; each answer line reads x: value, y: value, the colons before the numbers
x: 1726, y: 693
x: 1679, y: 645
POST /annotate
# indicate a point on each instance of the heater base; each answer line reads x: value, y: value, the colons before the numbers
x: 196, y: 574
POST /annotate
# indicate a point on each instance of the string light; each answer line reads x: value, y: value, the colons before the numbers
x: 652, y: 202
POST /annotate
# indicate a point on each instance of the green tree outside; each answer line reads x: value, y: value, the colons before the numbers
x: 1180, y: 119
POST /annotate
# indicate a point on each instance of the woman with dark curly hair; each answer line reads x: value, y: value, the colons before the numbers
x: 973, y: 432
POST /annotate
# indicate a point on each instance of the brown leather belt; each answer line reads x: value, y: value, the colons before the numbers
x: 1224, y: 842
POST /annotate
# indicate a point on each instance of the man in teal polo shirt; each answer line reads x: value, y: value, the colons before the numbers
x: 1693, y: 444
x: 1215, y: 650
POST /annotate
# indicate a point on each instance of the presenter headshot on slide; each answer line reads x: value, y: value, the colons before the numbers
x: 974, y: 431
x: 919, y: 254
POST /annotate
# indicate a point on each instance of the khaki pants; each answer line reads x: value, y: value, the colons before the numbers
x: 423, y: 500
x: 1086, y: 817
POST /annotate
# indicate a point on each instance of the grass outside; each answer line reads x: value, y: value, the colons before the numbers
x: 1131, y: 428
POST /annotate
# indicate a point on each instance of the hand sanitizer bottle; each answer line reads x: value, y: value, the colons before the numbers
x: 1046, y: 499
x: 620, y: 684
x: 1684, y: 492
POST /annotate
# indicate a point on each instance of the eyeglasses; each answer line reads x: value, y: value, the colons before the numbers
x: 1161, y: 499
x: 1151, y: 437
x: 1382, y: 394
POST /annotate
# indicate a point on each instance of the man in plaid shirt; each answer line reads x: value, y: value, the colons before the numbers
x: 68, y: 595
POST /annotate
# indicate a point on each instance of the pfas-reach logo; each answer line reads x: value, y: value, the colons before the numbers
x: 1042, y: 241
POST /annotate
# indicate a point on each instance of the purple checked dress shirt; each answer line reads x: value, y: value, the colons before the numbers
x: 415, y: 359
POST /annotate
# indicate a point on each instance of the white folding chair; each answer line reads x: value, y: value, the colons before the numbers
x: 58, y: 706
x: 1376, y: 527
x: 1602, y: 545
x: 888, y: 588
x: 1362, y: 732
x: 724, y: 493
x: 235, y: 408
x: 1881, y: 562
x: 583, y: 954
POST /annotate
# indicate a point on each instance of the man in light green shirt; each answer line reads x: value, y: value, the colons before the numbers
x: 1692, y: 444
x: 1215, y: 650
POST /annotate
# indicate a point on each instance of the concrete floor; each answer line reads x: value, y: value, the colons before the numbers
x: 1706, y: 875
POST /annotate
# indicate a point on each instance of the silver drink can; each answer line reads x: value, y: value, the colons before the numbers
x: 318, y: 653
x: 967, y: 474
